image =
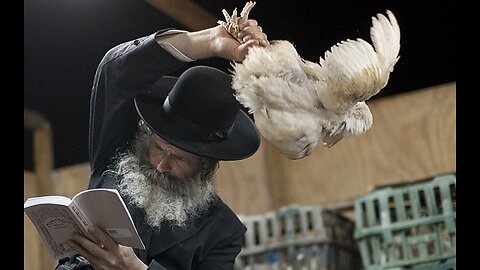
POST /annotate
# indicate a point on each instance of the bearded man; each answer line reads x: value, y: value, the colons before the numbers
x: 161, y: 195
x: 158, y: 139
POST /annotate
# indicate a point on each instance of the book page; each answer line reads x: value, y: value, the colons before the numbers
x: 106, y: 210
x: 55, y: 223
x: 60, y: 200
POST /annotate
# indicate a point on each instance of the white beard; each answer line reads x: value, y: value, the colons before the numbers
x: 162, y: 196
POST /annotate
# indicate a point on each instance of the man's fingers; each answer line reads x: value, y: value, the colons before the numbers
x: 90, y: 256
x: 247, y: 23
x: 259, y: 36
x: 85, y: 243
x: 243, y: 49
x: 77, y: 247
x: 103, y: 237
x: 250, y: 30
x: 251, y: 42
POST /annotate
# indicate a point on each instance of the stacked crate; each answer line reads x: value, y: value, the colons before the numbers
x: 408, y: 227
x: 299, y: 237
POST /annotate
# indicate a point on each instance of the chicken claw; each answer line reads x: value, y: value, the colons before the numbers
x: 232, y: 23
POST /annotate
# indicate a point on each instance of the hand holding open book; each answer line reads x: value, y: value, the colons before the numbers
x: 56, y: 217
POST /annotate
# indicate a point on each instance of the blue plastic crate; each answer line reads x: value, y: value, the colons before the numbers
x: 408, y: 226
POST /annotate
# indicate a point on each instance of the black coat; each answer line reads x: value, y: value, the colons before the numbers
x: 214, y: 239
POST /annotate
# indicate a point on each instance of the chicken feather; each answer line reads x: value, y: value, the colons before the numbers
x: 298, y: 104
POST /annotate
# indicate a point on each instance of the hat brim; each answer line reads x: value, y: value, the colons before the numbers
x: 242, y: 142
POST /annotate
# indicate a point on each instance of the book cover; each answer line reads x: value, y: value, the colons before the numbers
x: 56, y: 217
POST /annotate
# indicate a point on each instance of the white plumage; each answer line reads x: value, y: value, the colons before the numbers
x: 298, y: 104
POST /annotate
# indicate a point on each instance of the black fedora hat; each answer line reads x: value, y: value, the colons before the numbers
x: 198, y: 113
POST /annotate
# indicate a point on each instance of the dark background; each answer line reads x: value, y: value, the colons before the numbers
x: 65, y: 39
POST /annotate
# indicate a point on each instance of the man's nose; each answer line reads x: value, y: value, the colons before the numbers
x: 165, y: 164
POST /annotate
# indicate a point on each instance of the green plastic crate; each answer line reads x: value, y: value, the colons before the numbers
x: 409, y: 226
x: 450, y: 264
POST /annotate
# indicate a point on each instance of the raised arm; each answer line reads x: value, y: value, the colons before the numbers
x: 132, y: 67
x: 217, y: 42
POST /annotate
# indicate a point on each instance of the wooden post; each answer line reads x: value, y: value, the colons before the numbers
x: 43, y: 167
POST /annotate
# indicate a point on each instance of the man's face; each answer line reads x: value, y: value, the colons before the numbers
x: 171, y: 160
x: 167, y: 183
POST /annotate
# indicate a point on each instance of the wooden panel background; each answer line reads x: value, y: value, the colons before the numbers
x: 413, y: 137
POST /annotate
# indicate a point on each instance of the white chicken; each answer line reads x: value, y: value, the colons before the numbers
x: 298, y: 104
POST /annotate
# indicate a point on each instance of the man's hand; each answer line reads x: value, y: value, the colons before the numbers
x: 230, y: 40
x: 225, y: 45
x: 107, y: 254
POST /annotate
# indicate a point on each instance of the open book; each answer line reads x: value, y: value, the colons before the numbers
x: 56, y: 217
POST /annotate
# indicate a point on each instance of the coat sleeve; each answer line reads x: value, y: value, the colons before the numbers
x: 222, y: 256
x: 125, y: 71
